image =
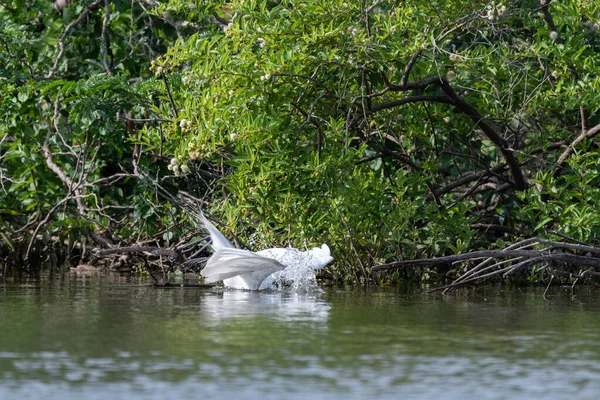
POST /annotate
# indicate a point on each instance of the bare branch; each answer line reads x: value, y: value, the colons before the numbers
x: 411, y: 99
x: 490, y: 131
x: 107, y: 68
x: 155, y: 251
x: 398, y: 156
x: 408, y: 68
x: 222, y: 21
x: 42, y: 223
x: 175, y: 111
x: 569, y: 150
x: 459, y: 257
x: 469, y: 178
x: 55, y: 168
x: 564, y: 257
x: 63, y: 37
x: 452, y: 98
x: 494, y: 228
x: 142, y: 120
x: 485, y: 265
x: 506, y: 253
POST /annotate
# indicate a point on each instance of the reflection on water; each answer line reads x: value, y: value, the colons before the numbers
x: 281, y: 306
x: 101, y: 336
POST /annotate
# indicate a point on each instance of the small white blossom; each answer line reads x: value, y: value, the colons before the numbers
x: 174, y: 161
x: 194, y: 155
x: 447, y: 120
x: 185, y: 169
x: 261, y: 42
x: 554, y: 35
x: 232, y: 136
x: 450, y: 75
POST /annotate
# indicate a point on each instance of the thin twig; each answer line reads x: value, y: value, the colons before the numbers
x: 105, y: 47
x: 569, y: 150
x: 548, y: 287
x: 175, y: 112
x: 63, y: 37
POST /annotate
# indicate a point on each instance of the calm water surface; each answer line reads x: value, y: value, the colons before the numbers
x: 97, y: 337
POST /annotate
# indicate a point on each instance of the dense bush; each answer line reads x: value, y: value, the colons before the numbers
x: 387, y: 130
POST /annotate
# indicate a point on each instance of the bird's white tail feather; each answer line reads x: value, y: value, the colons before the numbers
x: 227, y: 263
x: 218, y: 240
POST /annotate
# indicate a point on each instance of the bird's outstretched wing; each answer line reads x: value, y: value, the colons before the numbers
x: 227, y: 263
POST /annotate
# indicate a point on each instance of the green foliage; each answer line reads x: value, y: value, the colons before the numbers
x: 294, y: 98
x: 68, y: 89
x: 569, y: 203
x: 389, y: 130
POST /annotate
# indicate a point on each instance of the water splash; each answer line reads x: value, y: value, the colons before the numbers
x: 299, y: 274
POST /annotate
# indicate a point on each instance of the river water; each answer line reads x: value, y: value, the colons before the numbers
x: 104, y: 336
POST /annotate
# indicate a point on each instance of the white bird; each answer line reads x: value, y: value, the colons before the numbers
x: 244, y: 269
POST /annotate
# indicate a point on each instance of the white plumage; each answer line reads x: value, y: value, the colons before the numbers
x: 244, y: 269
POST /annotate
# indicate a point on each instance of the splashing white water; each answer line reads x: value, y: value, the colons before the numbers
x: 298, y: 275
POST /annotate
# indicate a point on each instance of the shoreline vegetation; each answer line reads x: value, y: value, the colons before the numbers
x: 425, y: 142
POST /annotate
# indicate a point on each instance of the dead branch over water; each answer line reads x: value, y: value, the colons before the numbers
x: 509, y: 261
x: 186, y: 257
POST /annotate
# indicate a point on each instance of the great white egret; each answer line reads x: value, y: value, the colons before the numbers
x: 244, y: 269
